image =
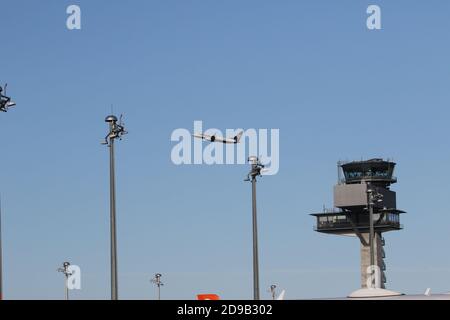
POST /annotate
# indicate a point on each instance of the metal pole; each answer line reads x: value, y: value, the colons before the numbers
x: 272, y: 291
x: 255, y: 243
x: 114, y: 294
x: 5, y: 103
x: 159, y: 292
x: 65, y: 271
x: 157, y: 281
x: 1, y: 254
x: 116, y: 130
x: 371, y: 236
x: 66, y: 287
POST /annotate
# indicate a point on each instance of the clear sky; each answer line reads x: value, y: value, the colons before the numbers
x: 312, y: 69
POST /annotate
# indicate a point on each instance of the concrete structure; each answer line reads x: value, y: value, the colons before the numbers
x: 364, y: 205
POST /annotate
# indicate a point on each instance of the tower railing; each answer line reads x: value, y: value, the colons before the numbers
x: 340, y: 221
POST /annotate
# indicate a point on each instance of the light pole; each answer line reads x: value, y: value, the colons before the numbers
x: 256, y: 168
x: 1, y: 254
x: 116, y: 130
x: 372, y: 197
x: 157, y: 281
x: 5, y: 104
x: 65, y: 270
x: 272, y: 291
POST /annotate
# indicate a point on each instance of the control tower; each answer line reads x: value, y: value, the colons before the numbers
x: 363, y: 190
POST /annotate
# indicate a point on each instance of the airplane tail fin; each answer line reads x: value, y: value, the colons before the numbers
x: 237, y: 139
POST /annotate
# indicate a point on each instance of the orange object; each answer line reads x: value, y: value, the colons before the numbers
x: 208, y: 297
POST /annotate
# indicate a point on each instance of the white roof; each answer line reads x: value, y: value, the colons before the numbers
x: 373, y: 293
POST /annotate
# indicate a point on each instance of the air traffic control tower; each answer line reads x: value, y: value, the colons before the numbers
x: 364, y: 187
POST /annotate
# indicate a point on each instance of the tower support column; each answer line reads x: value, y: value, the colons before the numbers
x: 379, y: 262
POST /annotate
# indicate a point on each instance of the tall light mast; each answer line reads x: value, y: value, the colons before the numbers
x: 116, y: 131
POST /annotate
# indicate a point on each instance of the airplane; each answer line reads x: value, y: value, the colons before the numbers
x: 214, y: 138
x: 5, y: 101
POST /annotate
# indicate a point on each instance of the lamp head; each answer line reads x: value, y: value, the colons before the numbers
x: 253, y: 159
x: 111, y: 118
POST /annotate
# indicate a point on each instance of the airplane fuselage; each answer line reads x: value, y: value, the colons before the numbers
x: 214, y: 138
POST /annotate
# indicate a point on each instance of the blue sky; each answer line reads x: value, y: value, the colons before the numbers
x: 336, y: 91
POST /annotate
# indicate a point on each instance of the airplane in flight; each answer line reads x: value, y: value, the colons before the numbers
x: 214, y: 138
